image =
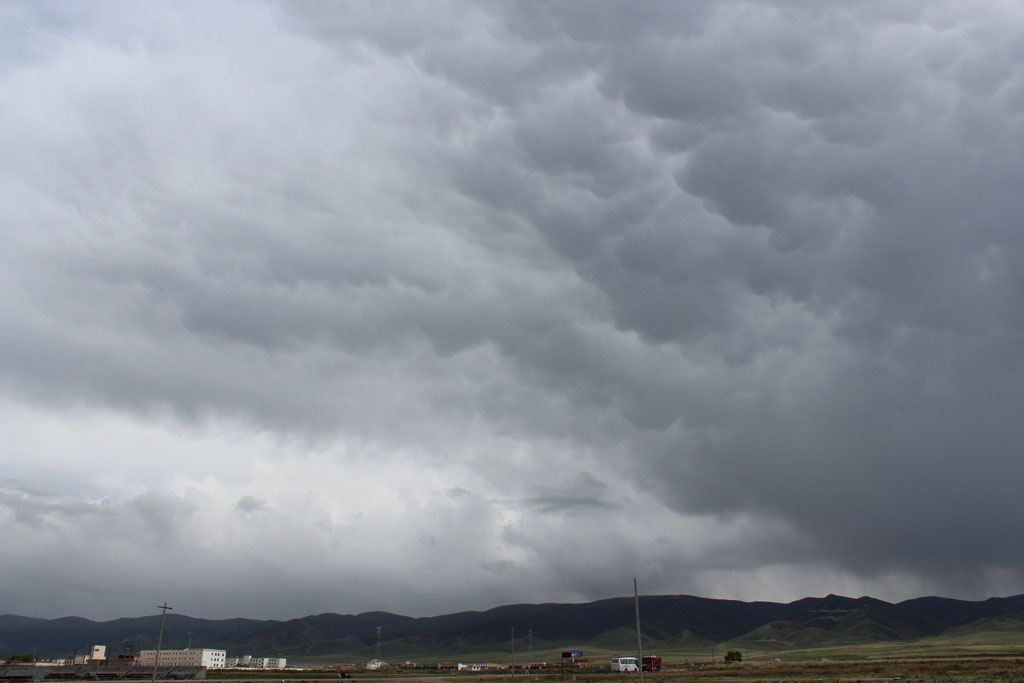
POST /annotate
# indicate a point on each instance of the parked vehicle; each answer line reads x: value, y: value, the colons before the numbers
x: 652, y: 663
x: 624, y: 664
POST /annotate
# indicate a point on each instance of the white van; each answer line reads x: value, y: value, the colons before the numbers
x: 624, y: 664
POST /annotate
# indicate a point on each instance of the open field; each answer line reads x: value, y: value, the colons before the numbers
x: 993, y: 639
x: 917, y: 650
x: 977, y: 657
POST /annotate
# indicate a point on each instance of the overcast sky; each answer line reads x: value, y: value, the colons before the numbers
x: 435, y: 306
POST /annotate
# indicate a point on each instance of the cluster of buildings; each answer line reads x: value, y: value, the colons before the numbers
x: 207, y: 657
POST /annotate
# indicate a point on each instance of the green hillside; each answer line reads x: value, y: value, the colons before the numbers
x: 676, y: 627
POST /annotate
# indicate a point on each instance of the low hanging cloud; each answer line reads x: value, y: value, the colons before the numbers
x: 473, y: 303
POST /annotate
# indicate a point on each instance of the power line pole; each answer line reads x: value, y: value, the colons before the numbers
x: 513, y: 669
x: 379, y: 629
x: 529, y: 640
x: 160, y: 638
x: 639, y: 648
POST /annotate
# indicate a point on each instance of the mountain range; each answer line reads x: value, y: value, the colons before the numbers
x: 604, y: 624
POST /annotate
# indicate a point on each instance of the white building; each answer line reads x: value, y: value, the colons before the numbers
x: 211, y: 659
x: 250, y: 662
x: 97, y: 653
x: 273, y: 662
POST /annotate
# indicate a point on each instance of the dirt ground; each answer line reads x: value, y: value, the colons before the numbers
x: 966, y: 670
x: 907, y: 671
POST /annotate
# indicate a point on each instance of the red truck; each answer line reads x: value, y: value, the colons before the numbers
x: 652, y: 663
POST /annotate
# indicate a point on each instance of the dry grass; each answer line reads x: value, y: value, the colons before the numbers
x: 973, y: 670
x: 980, y: 669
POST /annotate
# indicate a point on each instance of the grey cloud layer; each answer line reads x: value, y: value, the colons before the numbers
x: 760, y: 261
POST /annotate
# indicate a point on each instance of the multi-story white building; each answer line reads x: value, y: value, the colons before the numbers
x: 211, y: 659
x: 250, y: 662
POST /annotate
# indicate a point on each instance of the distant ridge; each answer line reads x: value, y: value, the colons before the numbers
x: 960, y: 612
x: 832, y: 619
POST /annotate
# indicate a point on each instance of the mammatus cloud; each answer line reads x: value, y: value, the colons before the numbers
x: 476, y: 303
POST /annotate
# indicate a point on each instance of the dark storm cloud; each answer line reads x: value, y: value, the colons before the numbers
x: 825, y: 263
x: 756, y: 265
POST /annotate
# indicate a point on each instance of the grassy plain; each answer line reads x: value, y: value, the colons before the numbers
x: 943, y: 670
x: 974, y: 656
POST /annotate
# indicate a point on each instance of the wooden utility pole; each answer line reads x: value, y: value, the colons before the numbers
x: 160, y: 638
x: 639, y: 646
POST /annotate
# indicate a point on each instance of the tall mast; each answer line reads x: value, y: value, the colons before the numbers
x: 639, y: 647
